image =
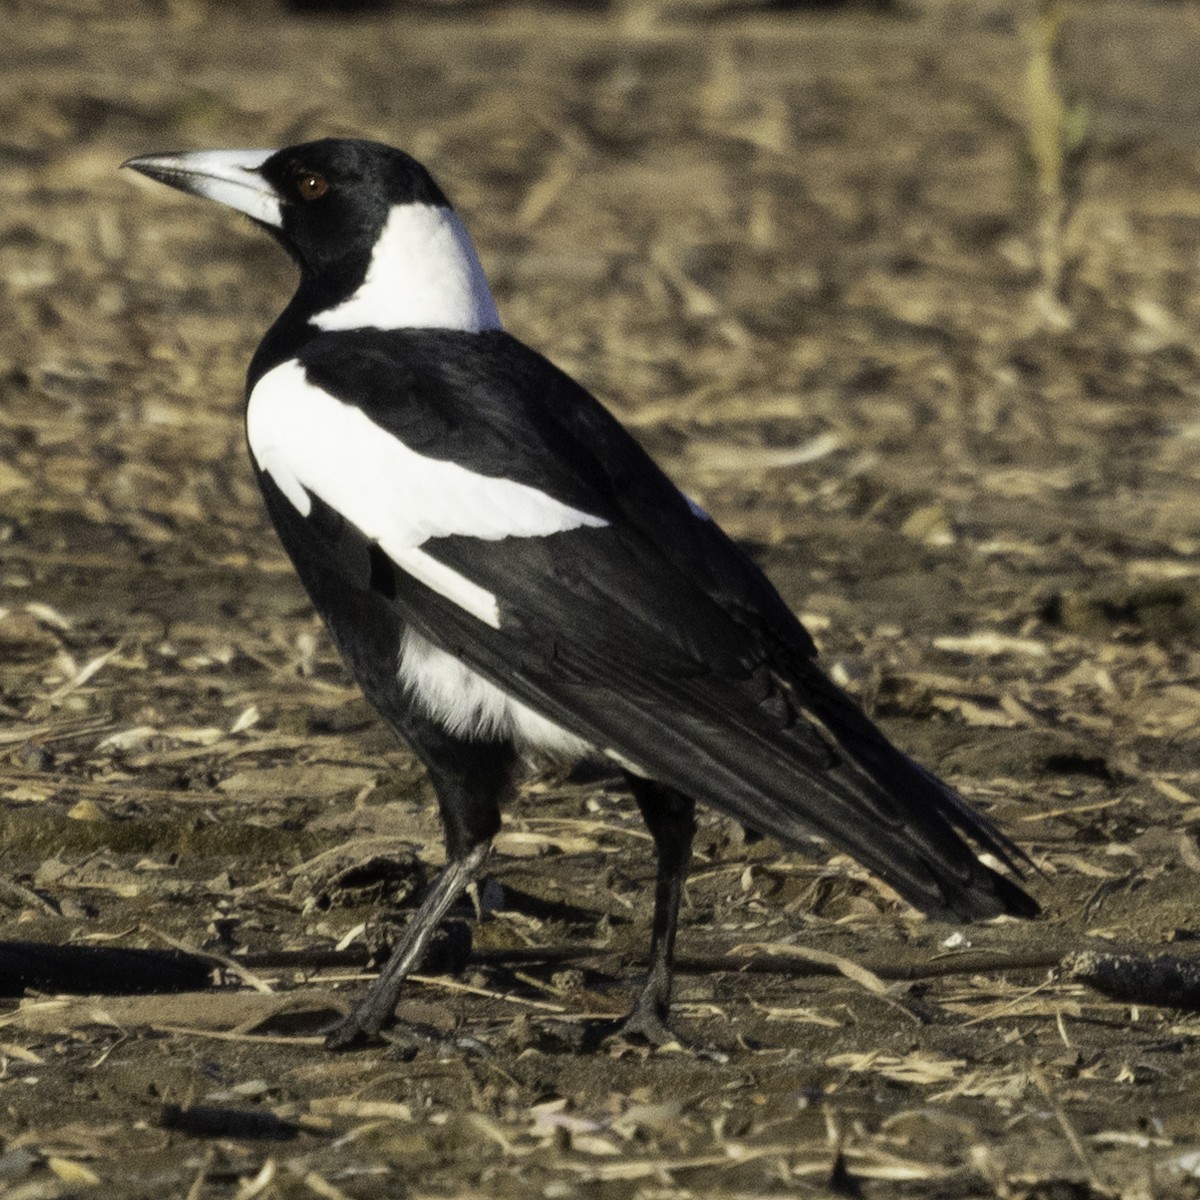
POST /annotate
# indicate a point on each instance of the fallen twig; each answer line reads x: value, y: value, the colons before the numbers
x: 796, y: 963
x: 98, y: 970
x: 304, y: 1009
x: 1164, y: 980
x: 205, y: 1121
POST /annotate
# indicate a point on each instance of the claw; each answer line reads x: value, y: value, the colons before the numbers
x: 648, y: 1024
x: 349, y: 1033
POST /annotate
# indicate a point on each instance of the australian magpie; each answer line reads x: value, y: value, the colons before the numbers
x: 508, y: 574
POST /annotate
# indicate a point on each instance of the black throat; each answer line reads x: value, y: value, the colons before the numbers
x: 293, y: 328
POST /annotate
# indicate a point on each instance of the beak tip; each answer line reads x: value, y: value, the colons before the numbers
x: 230, y: 177
x: 143, y: 164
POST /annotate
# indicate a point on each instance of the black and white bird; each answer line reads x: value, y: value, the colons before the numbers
x: 508, y: 574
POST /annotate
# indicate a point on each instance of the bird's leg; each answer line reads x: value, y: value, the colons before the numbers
x: 670, y: 817
x: 470, y: 778
x: 375, y: 1009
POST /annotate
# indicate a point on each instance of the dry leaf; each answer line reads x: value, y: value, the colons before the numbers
x: 845, y: 966
x: 73, y: 1172
x: 915, y: 1067
x: 21, y: 1054
x: 988, y: 643
x: 349, y: 1106
x: 86, y: 810
x: 313, y: 779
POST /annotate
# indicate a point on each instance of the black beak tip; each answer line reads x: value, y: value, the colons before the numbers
x: 138, y: 164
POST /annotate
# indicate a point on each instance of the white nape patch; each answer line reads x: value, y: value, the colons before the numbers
x: 424, y: 274
x: 229, y: 177
x: 310, y: 442
x: 470, y: 706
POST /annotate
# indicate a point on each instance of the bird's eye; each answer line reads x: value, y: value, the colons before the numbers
x: 311, y: 186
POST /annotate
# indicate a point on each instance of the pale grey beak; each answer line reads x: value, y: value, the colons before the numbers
x: 229, y: 177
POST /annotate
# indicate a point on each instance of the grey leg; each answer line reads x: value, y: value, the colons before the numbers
x: 471, y: 779
x: 375, y: 1009
x: 670, y: 817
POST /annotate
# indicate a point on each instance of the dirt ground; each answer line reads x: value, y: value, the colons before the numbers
x: 804, y: 254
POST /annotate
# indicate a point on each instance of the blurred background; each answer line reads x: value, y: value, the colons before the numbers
x: 903, y: 292
x: 919, y: 243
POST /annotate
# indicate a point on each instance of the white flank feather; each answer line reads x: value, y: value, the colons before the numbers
x: 467, y: 705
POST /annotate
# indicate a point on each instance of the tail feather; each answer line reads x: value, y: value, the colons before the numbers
x: 850, y: 786
x: 907, y: 838
x: 925, y: 797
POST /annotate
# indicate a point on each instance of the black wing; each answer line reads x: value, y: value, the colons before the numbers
x: 653, y: 636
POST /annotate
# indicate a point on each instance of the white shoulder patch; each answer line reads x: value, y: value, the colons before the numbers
x: 424, y: 274
x: 310, y: 442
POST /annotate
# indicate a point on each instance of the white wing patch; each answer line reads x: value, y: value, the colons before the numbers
x: 310, y: 442
x: 424, y: 274
x: 444, y: 580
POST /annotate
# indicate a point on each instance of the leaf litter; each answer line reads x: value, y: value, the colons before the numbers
x: 795, y: 254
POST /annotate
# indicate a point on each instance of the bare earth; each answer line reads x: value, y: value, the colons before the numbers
x: 797, y: 252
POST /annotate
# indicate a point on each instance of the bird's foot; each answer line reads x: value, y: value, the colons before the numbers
x: 647, y: 1023
x: 645, y: 1030
x: 359, y: 1027
x: 403, y: 1039
x: 365, y: 1022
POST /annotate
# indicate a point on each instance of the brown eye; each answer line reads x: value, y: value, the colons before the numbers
x: 311, y: 186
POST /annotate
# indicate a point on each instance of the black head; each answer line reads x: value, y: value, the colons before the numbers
x: 325, y: 201
x: 376, y: 241
x: 336, y: 194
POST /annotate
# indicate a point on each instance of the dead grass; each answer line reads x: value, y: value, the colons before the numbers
x: 792, y: 250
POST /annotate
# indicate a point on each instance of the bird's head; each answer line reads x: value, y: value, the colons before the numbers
x: 374, y: 236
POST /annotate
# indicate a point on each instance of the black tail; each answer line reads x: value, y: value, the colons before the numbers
x: 934, y: 809
x: 806, y: 760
